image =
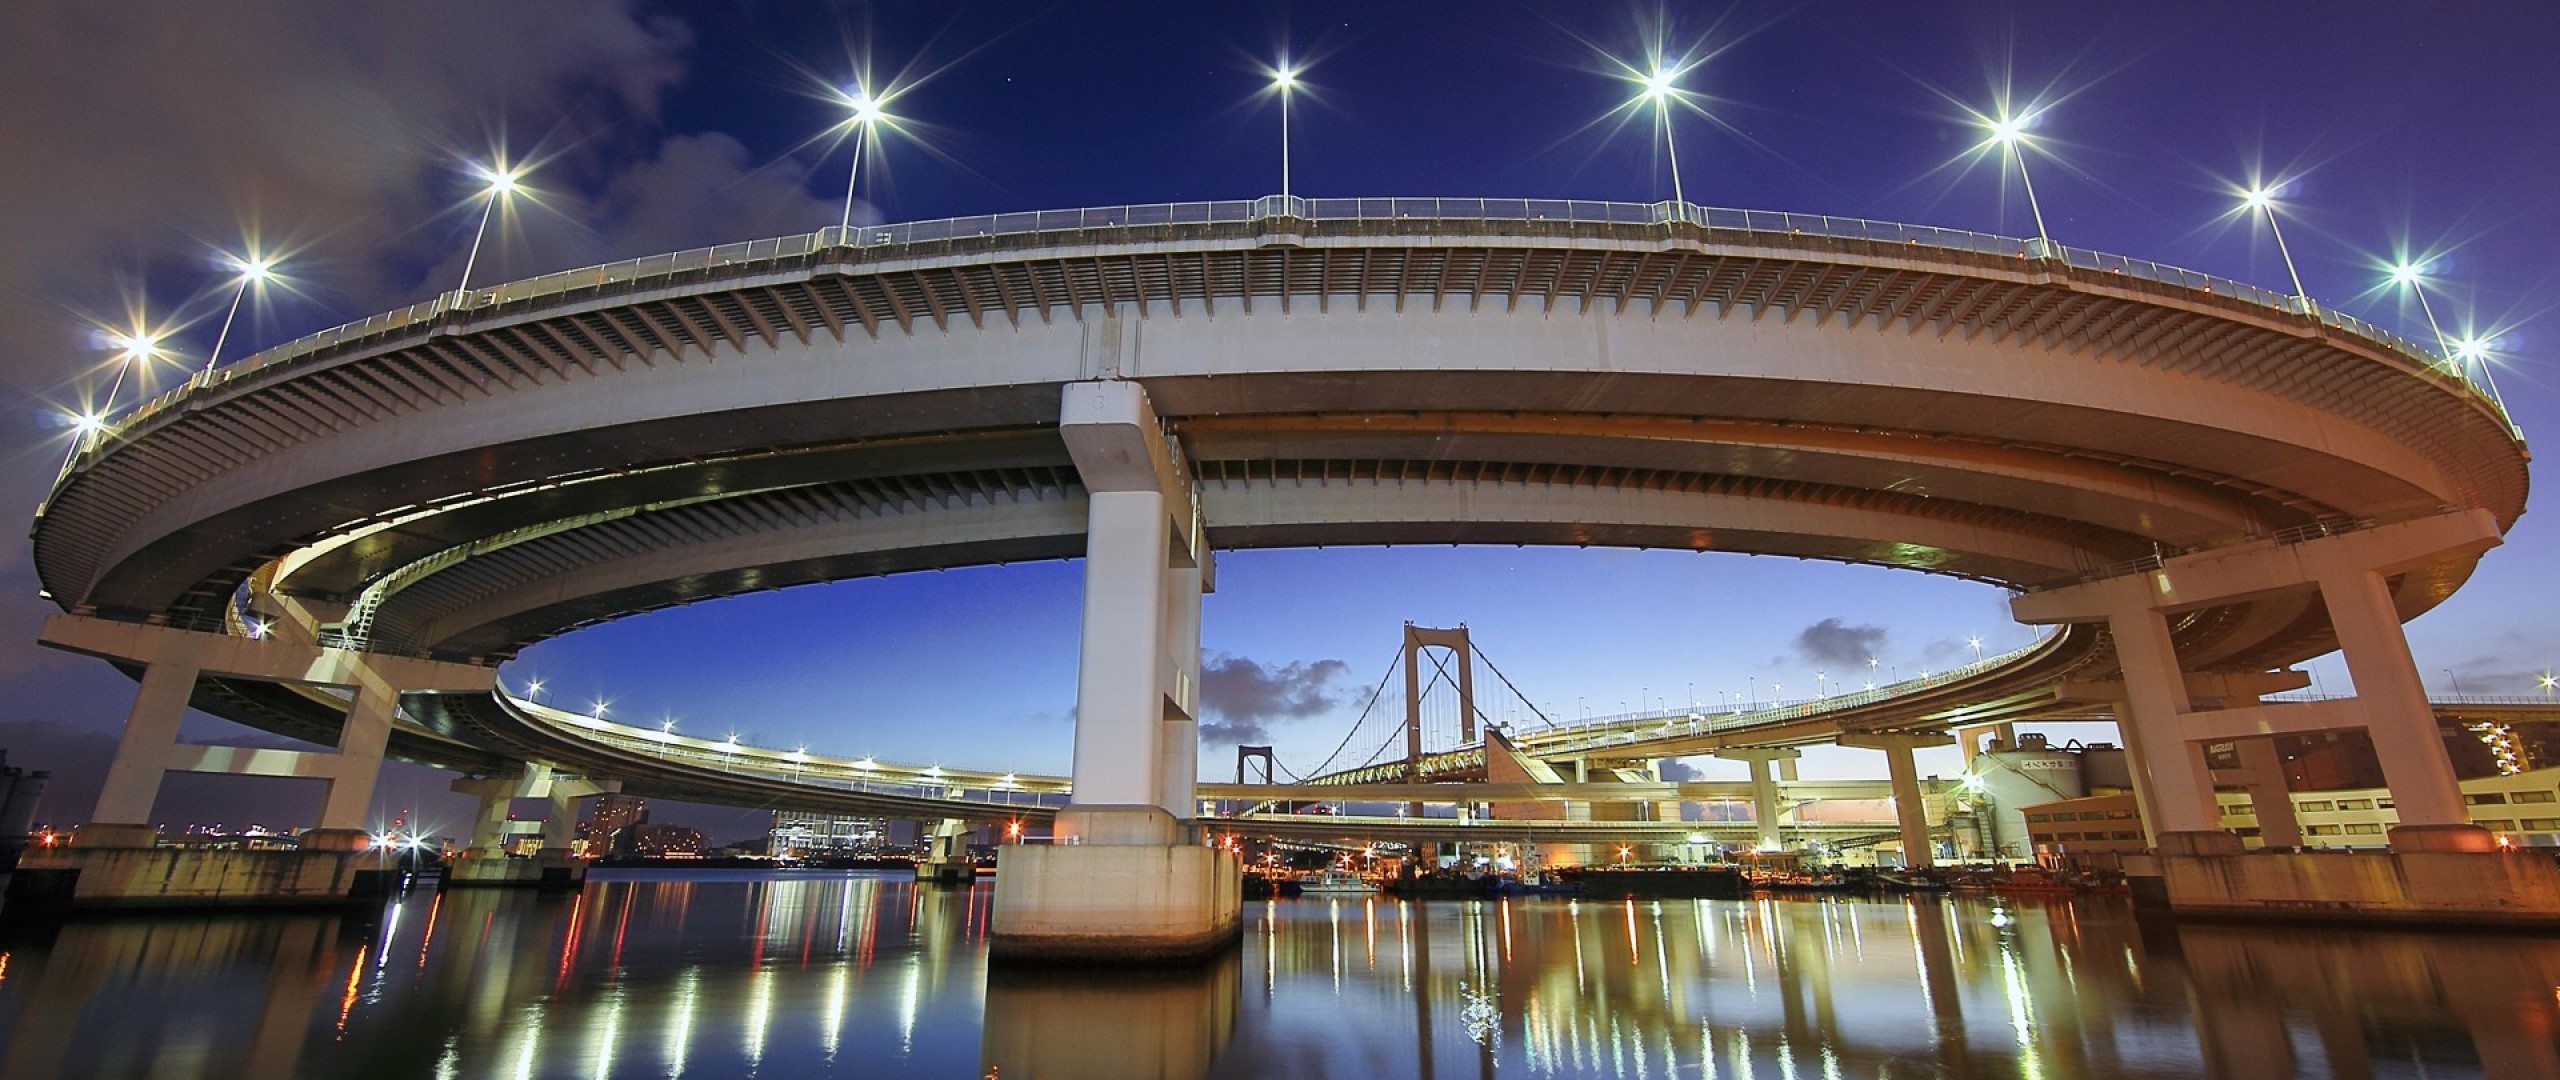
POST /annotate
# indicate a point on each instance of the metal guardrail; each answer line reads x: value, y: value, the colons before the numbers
x: 659, y: 268
x: 1622, y: 729
x: 865, y: 776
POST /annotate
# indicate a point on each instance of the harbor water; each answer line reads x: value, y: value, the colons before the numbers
x: 751, y: 974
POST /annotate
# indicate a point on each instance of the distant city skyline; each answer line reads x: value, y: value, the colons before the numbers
x: 150, y: 146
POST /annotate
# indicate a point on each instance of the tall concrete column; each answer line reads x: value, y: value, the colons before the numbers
x: 142, y: 755
x: 2173, y: 785
x: 489, y: 825
x: 1764, y: 788
x: 2397, y: 716
x: 1910, y: 811
x: 1120, y: 711
x: 1179, y: 776
x: 560, y: 821
x: 2262, y: 772
x: 359, y: 759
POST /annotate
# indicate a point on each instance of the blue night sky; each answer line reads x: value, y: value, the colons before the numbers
x: 146, y: 141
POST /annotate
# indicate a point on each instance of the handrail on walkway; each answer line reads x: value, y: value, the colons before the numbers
x: 1278, y: 210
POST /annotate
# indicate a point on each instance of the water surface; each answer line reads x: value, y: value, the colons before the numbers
x: 711, y: 974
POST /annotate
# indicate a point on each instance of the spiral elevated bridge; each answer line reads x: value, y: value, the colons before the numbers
x: 460, y: 479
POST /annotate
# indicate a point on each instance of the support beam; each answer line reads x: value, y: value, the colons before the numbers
x: 1910, y: 811
x: 2397, y: 716
x: 1764, y: 788
x: 2261, y: 772
x: 360, y: 742
x: 270, y: 659
x: 144, y: 751
x: 2171, y: 783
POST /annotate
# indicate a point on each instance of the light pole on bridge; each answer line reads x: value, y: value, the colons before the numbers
x: 255, y: 269
x: 2011, y: 133
x: 2263, y: 200
x: 499, y: 183
x: 1284, y: 78
x: 862, y: 111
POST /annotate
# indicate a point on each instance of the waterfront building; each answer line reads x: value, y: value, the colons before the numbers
x: 807, y: 835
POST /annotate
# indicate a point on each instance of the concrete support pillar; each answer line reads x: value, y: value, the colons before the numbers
x: 1764, y: 788
x: 2172, y: 784
x: 359, y: 762
x: 1120, y: 709
x: 1179, y: 776
x: 497, y: 795
x: 2397, y: 716
x: 2262, y: 772
x: 489, y: 825
x: 560, y: 821
x: 142, y: 755
x: 1119, y: 883
x: 1910, y: 811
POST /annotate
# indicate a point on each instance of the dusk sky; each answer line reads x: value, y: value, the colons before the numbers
x: 147, y: 141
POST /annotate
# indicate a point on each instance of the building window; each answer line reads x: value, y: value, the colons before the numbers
x: 2317, y: 806
x: 2532, y: 797
x: 2355, y: 804
x: 2321, y: 830
x: 2486, y: 798
x: 2541, y: 823
x: 2364, y: 828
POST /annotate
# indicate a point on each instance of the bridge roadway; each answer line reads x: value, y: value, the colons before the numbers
x: 460, y: 479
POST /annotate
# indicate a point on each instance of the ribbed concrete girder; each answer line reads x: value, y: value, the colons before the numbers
x: 134, y: 530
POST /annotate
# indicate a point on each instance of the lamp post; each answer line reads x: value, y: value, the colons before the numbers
x: 2263, y: 201
x: 1284, y: 79
x: 253, y: 270
x: 498, y: 183
x: 864, y: 110
x: 1661, y: 87
x: 2011, y: 133
x: 2413, y: 275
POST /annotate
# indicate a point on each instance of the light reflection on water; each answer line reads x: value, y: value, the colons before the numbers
x: 721, y: 975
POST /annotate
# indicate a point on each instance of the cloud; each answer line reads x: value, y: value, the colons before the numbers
x: 1834, y: 643
x: 1677, y: 771
x: 1245, y: 697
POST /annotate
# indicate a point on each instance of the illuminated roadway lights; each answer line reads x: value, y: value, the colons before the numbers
x: 2475, y: 351
x: 2011, y: 133
x: 863, y: 111
x: 2414, y: 275
x: 499, y: 183
x: 2263, y: 201
x: 253, y: 270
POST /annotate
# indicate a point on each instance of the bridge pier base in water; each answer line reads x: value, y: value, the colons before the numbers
x: 2441, y: 868
x: 113, y: 860
x: 1910, y: 810
x: 1121, y: 881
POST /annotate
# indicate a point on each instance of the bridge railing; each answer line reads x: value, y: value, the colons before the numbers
x: 733, y: 758
x: 1602, y: 732
x: 673, y: 265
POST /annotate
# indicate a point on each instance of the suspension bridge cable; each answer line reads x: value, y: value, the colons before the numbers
x: 1507, y: 684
